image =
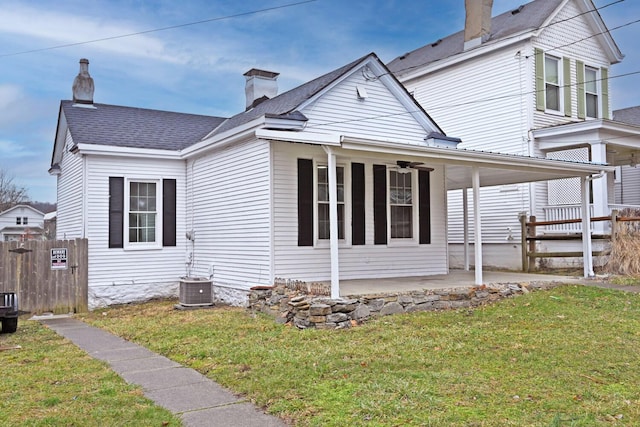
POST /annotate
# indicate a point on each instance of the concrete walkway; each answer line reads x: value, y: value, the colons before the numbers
x: 197, y: 400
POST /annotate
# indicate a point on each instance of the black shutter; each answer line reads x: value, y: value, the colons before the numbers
x: 357, y: 204
x: 380, y: 204
x: 168, y: 212
x: 305, y: 202
x: 116, y: 212
x: 424, y: 207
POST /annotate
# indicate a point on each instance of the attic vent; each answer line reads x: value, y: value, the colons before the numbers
x: 518, y: 10
x: 436, y: 43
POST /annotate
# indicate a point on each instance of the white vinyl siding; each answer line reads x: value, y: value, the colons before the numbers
x: 131, y: 270
x: 70, y: 221
x: 464, y: 100
x: 570, y: 39
x: 379, y: 116
x: 228, y: 209
x: 357, y: 261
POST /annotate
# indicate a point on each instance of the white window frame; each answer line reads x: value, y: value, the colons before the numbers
x: 596, y: 70
x: 414, y: 239
x: 346, y: 241
x: 560, y: 85
x: 157, y: 244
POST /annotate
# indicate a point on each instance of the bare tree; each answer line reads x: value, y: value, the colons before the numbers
x: 11, y: 194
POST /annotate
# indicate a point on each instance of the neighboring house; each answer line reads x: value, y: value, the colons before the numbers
x: 532, y: 81
x: 50, y: 225
x: 21, y: 223
x: 343, y: 177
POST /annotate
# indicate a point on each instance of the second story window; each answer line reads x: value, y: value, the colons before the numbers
x: 18, y: 220
x: 591, y: 91
x: 552, y: 82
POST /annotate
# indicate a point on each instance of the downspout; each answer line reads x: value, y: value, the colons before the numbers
x: 587, y: 251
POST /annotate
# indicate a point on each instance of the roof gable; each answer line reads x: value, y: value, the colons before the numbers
x: 22, y: 208
x: 293, y: 102
x: 525, y: 21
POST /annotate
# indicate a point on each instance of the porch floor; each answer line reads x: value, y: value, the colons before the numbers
x: 455, y: 279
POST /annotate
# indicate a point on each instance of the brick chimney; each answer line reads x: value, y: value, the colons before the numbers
x: 477, y: 27
x: 260, y: 86
x: 83, y: 85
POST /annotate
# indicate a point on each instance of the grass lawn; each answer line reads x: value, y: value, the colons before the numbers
x: 566, y: 357
x: 50, y: 382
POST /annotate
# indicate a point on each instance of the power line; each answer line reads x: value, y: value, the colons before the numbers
x: 462, y: 104
x: 155, y: 30
x: 541, y: 28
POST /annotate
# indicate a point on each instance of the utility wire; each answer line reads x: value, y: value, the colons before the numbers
x: 541, y: 28
x: 155, y: 30
x: 462, y: 104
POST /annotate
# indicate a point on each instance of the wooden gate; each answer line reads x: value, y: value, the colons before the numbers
x: 48, y: 276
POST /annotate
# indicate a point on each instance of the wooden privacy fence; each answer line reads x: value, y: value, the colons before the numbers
x: 48, y: 276
x: 530, y: 237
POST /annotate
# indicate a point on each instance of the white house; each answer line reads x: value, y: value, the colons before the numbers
x: 532, y: 81
x: 20, y: 223
x: 343, y: 177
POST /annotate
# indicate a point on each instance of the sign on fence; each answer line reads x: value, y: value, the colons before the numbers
x: 59, y: 259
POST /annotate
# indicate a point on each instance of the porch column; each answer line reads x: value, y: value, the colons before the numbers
x: 600, y: 188
x: 333, y: 223
x: 476, y: 224
x: 465, y: 220
x: 586, y: 229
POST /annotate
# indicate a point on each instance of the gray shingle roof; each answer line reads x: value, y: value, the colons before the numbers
x: 630, y: 116
x: 136, y: 127
x: 287, y: 102
x: 530, y: 16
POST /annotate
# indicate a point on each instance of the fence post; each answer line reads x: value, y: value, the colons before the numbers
x: 531, y: 232
x: 614, y: 225
x: 523, y: 240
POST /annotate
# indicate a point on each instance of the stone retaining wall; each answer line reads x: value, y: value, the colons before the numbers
x: 295, y: 306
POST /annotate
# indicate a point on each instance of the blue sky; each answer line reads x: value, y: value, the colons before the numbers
x: 198, y: 68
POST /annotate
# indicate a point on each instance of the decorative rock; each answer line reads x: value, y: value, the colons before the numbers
x: 391, y: 308
x: 337, y: 317
x: 405, y: 299
x: 375, y: 305
x: 319, y: 309
x: 362, y: 311
x: 317, y: 319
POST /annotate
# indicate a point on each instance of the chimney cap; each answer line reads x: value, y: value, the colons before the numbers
x: 261, y: 73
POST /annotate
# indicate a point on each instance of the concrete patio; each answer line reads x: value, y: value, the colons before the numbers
x: 455, y: 279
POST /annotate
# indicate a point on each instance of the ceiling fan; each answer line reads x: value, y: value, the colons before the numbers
x: 404, y: 164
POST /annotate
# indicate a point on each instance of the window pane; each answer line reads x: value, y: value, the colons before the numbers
x: 553, y: 97
x: 323, y: 221
x: 592, y: 105
x: 401, y: 222
x: 590, y: 76
x: 551, y: 70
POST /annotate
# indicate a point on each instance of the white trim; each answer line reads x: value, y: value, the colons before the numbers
x: 136, y: 246
x: 306, y: 137
x: 109, y: 150
x: 415, y: 232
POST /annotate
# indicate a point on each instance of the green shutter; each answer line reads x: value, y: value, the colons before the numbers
x: 604, y: 80
x: 305, y: 202
x: 582, y: 108
x: 566, y: 85
x: 540, y: 90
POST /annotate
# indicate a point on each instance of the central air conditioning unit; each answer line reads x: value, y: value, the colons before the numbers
x: 195, y: 292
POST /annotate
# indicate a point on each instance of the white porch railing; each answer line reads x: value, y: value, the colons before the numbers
x: 564, y: 212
